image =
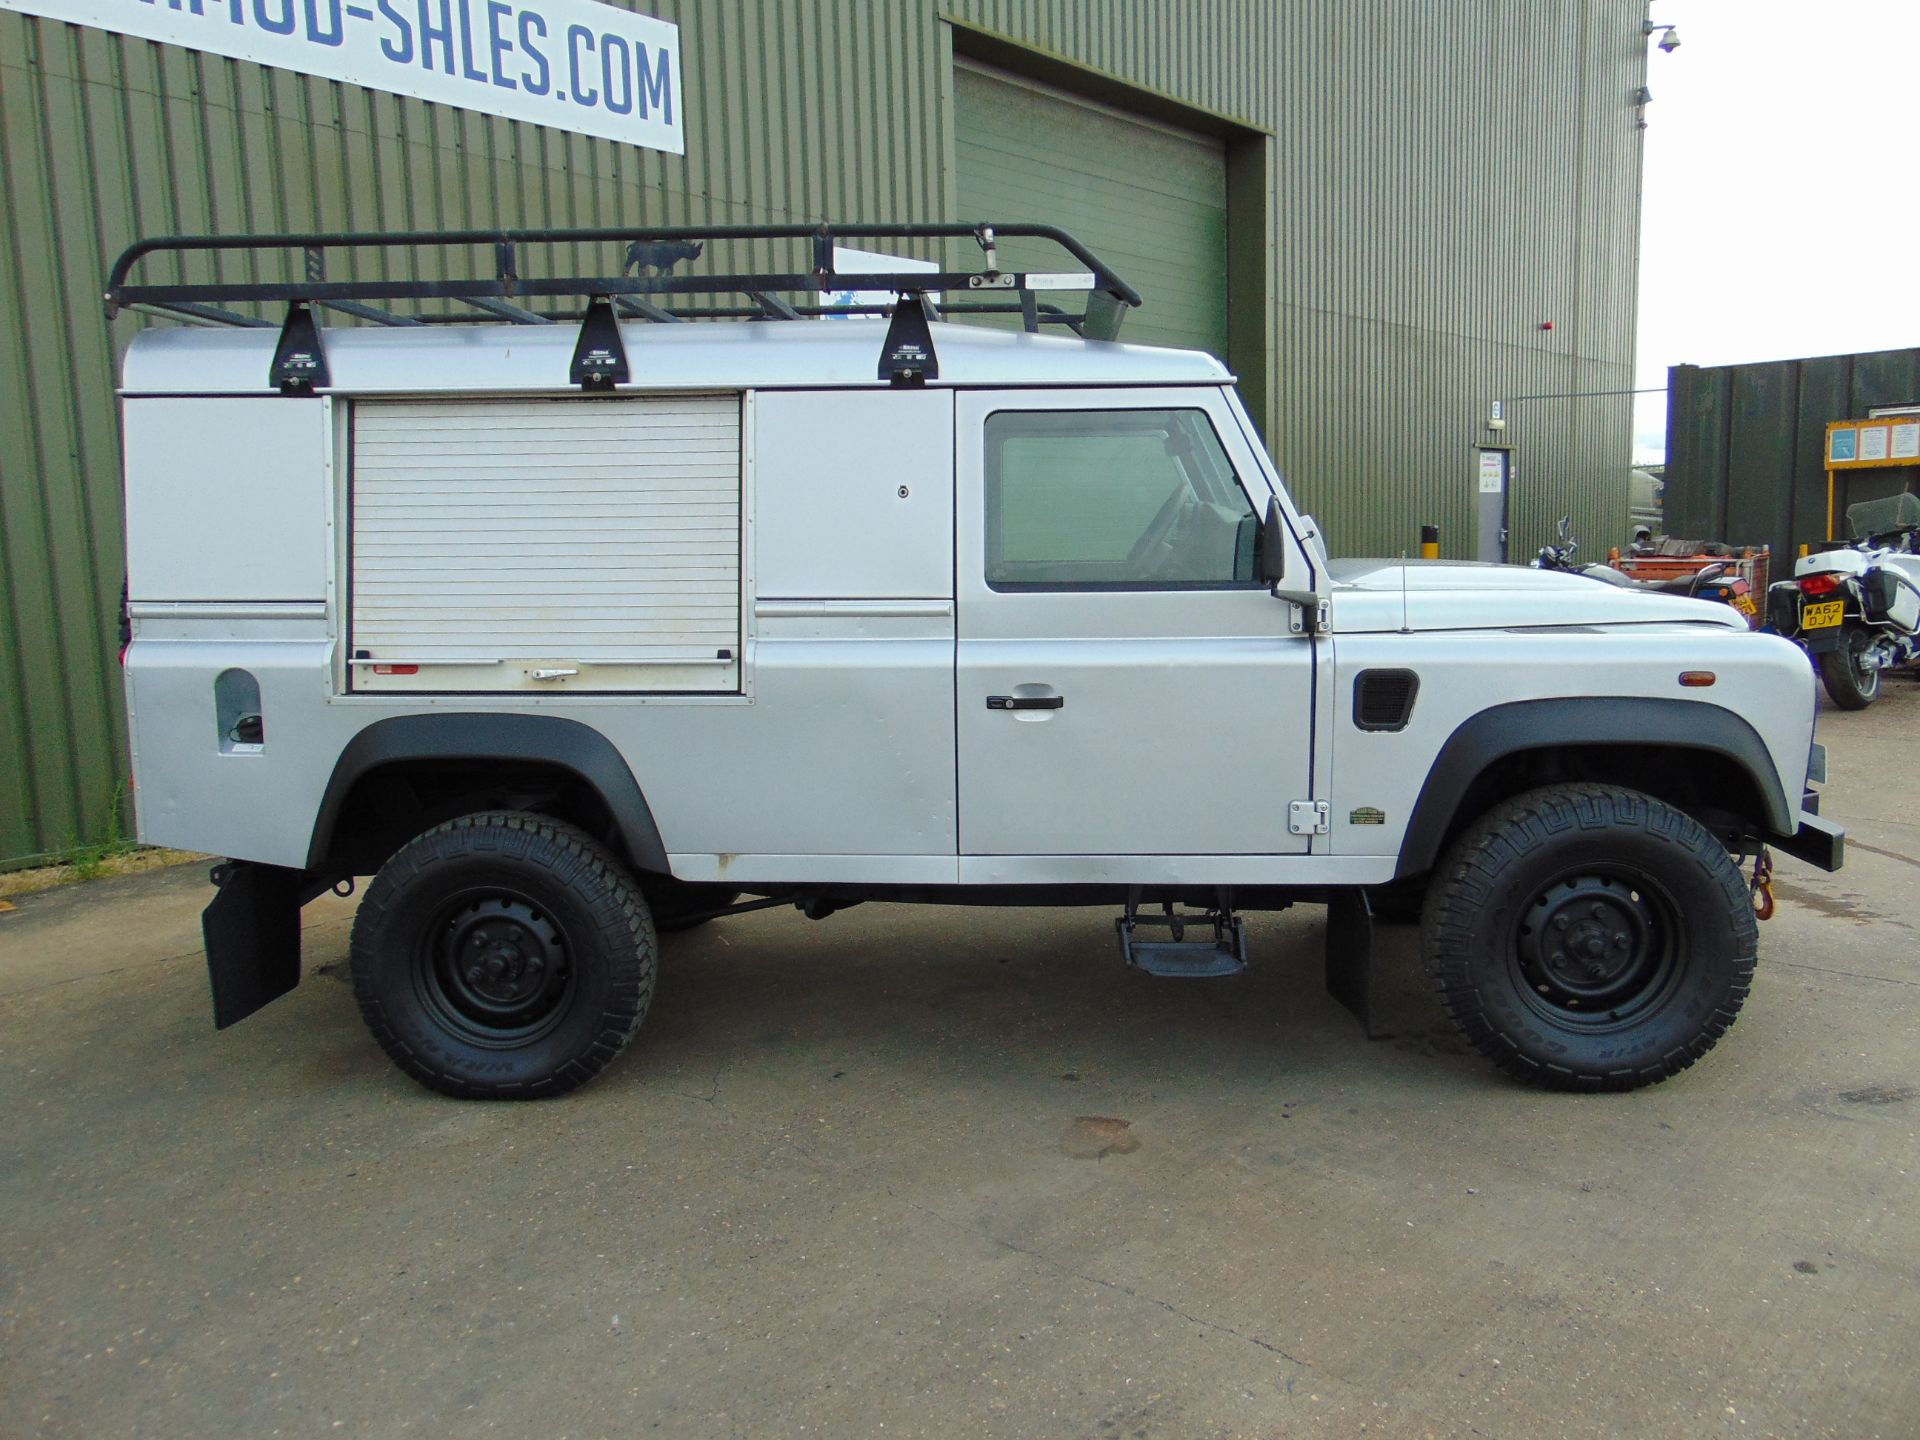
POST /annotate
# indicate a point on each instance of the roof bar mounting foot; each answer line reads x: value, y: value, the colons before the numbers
x: 907, y: 358
x: 600, y: 357
x: 299, y: 362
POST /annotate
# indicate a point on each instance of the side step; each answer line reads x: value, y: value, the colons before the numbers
x: 1223, y: 952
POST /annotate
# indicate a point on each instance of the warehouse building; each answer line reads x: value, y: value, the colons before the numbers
x: 1410, y: 229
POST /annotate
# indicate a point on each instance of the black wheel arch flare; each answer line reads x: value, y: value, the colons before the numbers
x: 1621, y: 722
x: 483, y: 736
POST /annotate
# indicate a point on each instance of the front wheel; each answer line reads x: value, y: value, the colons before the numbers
x: 1852, y: 680
x: 1586, y: 937
x: 503, y: 956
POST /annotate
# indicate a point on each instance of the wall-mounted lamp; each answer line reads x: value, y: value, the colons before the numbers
x: 1669, y: 41
x: 1641, y: 98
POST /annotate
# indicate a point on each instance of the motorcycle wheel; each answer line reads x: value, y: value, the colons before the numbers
x: 1852, y: 682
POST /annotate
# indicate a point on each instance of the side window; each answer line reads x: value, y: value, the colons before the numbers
x: 1114, y: 499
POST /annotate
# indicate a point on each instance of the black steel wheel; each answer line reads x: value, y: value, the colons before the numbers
x: 503, y: 955
x: 1852, y: 682
x: 1585, y: 937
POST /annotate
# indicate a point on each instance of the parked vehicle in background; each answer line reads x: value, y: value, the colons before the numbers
x: 1738, y: 575
x: 583, y: 620
x: 1856, y: 609
x: 1646, y: 502
x: 1714, y: 578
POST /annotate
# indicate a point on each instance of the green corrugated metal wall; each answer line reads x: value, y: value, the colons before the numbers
x: 1441, y: 180
x: 1746, y: 445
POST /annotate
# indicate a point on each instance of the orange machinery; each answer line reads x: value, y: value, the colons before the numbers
x: 1743, y: 573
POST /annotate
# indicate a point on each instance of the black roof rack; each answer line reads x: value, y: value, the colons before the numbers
x: 644, y: 285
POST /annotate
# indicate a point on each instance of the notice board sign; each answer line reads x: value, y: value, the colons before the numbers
x: 1854, y: 444
x: 568, y: 64
x: 1876, y: 444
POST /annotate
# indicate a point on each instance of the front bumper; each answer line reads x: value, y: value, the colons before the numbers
x: 1818, y: 842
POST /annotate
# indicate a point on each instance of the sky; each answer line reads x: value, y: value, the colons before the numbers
x: 1782, y: 188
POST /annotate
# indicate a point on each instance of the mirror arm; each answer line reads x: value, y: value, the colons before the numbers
x: 1273, y: 541
x: 1310, y: 604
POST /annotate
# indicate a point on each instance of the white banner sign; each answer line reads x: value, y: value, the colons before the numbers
x: 571, y: 64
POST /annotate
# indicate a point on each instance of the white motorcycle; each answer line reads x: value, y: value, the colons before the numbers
x: 1856, y: 610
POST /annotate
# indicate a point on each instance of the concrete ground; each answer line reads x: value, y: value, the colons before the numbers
x: 957, y: 1173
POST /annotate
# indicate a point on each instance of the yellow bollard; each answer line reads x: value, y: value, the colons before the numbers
x: 1429, y: 542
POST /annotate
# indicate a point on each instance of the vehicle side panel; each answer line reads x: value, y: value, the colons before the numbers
x: 1379, y: 775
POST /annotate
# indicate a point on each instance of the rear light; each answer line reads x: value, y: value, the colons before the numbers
x: 1818, y: 584
x: 396, y: 669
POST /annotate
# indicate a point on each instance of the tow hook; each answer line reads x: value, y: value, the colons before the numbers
x: 1761, y: 890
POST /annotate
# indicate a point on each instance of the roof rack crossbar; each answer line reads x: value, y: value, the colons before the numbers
x: 639, y: 307
x: 368, y: 312
x: 519, y: 315
x: 208, y: 314
x: 772, y: 306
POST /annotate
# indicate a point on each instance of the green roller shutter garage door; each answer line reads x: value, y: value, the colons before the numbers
x: 1148, y: 199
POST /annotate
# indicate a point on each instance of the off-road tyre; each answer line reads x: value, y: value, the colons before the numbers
x: 1521, y: 938
x: 674, y: 902
x: 503, y: 956
x: 1850, y: 685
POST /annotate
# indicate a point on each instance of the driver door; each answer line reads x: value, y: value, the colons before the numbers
x: 1126, y: 685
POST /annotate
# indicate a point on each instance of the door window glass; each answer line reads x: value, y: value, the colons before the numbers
x: 1114, y: 499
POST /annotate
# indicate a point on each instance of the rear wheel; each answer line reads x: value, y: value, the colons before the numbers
x: 1585, y: 937
x: 503, y: 956
x: 1852, y: 681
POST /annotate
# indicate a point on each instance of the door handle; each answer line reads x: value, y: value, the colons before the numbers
x: 1025, y: 702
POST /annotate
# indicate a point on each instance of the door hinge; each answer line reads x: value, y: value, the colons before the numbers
x: 1308, y: 817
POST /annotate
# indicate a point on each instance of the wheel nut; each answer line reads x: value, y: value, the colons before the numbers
x: 474, y: 975
x: 1620, y: 941
x: 1559, y: 922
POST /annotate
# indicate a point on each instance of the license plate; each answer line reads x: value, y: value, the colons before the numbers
x: 1822, y: 616
x: 1744, y: 604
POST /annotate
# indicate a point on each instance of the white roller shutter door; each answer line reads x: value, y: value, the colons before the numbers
x: 546, y: 545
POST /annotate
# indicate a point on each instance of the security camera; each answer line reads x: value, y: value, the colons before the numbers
x: 1670, y: 41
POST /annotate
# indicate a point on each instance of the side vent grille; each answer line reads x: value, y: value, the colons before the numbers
x: 1383, y: 699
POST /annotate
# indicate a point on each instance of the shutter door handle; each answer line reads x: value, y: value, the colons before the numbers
x: 1026, y: 702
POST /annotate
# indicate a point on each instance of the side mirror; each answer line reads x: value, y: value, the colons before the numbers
x: 1273, y: 544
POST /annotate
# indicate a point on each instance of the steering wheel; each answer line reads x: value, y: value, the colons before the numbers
x: 1159, y: 530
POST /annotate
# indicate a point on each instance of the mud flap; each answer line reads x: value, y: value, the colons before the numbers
x: 1349, y: 958
x: 252, y: 935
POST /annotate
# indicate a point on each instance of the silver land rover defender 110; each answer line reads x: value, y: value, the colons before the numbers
x: 574, y: 605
